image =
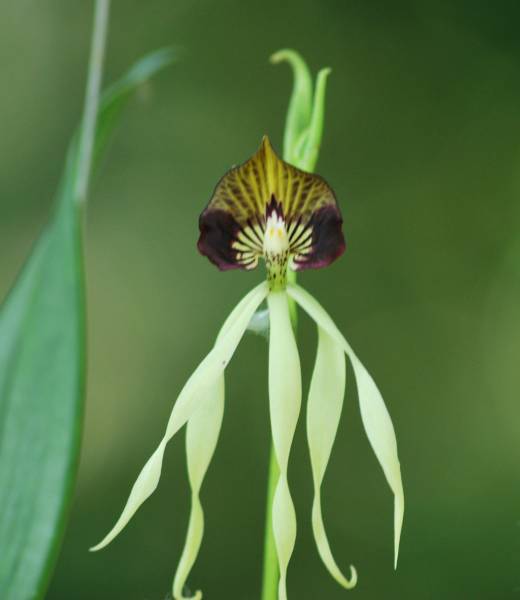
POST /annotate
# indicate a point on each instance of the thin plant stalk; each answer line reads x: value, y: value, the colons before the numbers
x: 270, y: 568
x: 95, y: 75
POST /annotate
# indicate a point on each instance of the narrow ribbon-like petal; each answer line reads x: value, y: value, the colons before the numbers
x: 374, y: 414
x: 201, y: 439
x: 284, y: 403
x: 323, y: 413
x: 207, y: 373
x: 202, y: 434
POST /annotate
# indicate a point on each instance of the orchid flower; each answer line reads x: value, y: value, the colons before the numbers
x: 268, y: 209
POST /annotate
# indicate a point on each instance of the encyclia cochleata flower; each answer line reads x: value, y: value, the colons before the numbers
x: 267, y: 208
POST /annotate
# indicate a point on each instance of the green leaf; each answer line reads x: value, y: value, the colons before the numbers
x: 42, y: 374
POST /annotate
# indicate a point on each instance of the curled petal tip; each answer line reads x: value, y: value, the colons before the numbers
x: 196, y: 596
x: 281, y: 55
x: 347, y: 584
x: 353, y: 578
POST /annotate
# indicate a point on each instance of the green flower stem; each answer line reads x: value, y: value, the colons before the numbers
x: 270, y: 572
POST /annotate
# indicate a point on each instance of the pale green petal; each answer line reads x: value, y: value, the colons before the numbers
x: 208, y: 372
x: 202, y: 434
x: 326, y: 394
x: 201, y: 439
x: 284, y: 403
x: 376, y: 420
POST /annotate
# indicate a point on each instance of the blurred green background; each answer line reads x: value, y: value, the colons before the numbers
x: 422, y: 145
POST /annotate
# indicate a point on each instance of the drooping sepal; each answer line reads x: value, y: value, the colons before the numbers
x: 207, y: 373
x: 201, y: 439
x: 374, y: 414
x: 234, y: 227
x: 323, y: 414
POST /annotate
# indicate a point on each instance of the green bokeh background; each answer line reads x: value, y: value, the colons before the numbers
x: 422, y: 146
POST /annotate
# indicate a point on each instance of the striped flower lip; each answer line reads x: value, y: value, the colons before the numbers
x: 268, y: 208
